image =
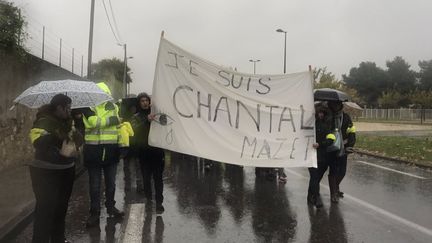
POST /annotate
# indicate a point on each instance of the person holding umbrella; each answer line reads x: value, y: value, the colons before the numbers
x: 342, y: 136
x: 53, y: 169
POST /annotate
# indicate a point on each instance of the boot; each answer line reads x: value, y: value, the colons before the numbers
x: 318, y: 201
x: 338, y: 181
x: 159, y: 208
x: 93, y: 219
x: 334, y: 198
x: 310, y: 199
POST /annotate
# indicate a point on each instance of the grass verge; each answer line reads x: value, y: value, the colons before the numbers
x: 416, y: 150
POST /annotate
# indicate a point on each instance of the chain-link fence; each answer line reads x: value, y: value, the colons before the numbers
x: 45, y: 44
x: 402, y: 114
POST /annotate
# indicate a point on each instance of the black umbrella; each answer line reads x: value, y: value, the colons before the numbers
x: 327, y: 94
x: 128, y: 107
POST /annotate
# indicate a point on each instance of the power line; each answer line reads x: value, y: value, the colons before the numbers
x: 109, y: 22
x: 115, y: 22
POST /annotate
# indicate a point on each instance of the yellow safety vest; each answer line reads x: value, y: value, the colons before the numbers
x: 125, y: 131
x: 97, y: 127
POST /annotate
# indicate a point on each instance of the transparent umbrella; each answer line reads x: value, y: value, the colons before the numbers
x: 82, y: 93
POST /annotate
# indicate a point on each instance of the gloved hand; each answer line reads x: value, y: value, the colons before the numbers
x: 349, y: 150
x: 113, y: 120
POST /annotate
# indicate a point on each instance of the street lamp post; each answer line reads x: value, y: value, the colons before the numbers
x: 128, y: 84
x: 283, y: 31
x: 125, y: 71
x: 254, y: 63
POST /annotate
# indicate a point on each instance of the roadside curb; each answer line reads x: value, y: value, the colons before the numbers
x: 25, y: 216
x: 379, y: 156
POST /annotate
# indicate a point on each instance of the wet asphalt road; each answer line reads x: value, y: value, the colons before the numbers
x: 384, y: 202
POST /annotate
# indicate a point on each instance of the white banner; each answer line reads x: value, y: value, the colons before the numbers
x: 217, y: 113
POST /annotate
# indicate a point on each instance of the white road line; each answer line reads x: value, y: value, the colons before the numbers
x: 133, y: 232
x: 389, y: 169
x: 375, y: 208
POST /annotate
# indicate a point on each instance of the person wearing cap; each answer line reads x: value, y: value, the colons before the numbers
x: 151, y: 159
x: 52, y: 171
x: 101, y: 154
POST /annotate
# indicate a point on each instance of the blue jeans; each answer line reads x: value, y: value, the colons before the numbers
x: 95, y: 176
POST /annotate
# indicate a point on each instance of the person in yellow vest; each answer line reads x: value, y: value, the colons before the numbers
x: 101, y: 154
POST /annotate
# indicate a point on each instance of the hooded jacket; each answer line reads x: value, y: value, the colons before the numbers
x: 47, y: 136
x: 101, y: 133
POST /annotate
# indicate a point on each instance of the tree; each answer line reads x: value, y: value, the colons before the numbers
x: 401, y: 77
x: 368, y: 80
x: 393, y: 99
x: 425, y: 75
x: 422, y: 98
x: 111, y: 71
x: 325, y: 79
x: 11, y: 29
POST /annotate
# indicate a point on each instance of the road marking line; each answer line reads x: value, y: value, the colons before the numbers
x: 133, y: 232
x: 389, y: 169
x: 375, y: 208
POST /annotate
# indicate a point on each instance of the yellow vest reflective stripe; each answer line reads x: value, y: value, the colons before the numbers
x: 351, y: 129
x: 331, y: 136
x: 97, y: 128
x: 36, y: 133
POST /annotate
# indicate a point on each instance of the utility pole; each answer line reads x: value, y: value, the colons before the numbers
x: 60, y: 52
x: 43, y: 42
x: 125, y: 71
x: 90, y: 46
x: 73, y: 53
x: 82, y: 64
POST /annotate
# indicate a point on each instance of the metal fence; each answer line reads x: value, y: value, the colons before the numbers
x: 402, y: 114
x: 45, y: 44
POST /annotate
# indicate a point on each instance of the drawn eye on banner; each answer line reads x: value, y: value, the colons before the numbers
x: 213, y: 112
x: 166, y: 121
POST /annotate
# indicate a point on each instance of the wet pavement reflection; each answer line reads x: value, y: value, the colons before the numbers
x: 207, y: 201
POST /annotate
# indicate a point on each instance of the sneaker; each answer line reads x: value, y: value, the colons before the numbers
x: 93, y: 220
x: 159, y: 208
x: 114, y: 212
x: 340, y: 194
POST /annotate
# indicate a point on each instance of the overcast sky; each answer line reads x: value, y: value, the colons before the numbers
x: 338, y: 34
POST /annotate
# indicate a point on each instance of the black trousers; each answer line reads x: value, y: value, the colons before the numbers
x: 316, y: 174
x: 152, y: 166
x: 341, y: 166
x: 52, y: 189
